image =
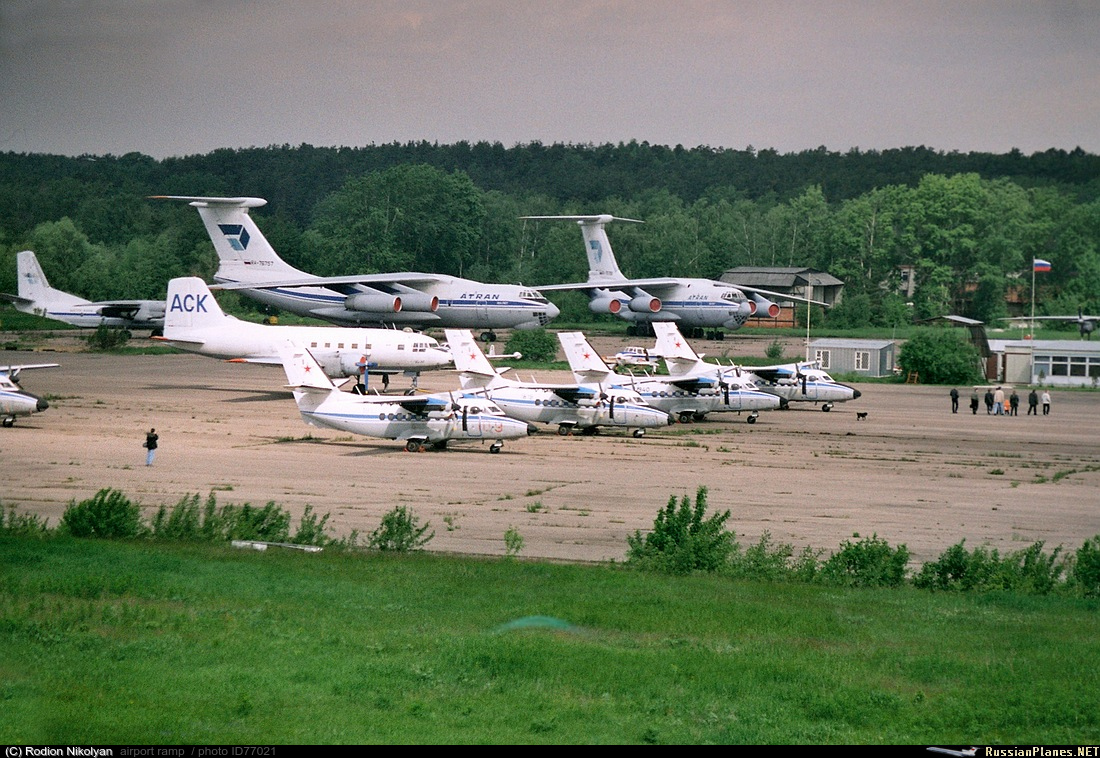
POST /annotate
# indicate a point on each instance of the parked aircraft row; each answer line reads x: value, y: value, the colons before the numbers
x: 249, y: 264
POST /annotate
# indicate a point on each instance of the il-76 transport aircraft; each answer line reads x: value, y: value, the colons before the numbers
x: 196, y: 323
x: 570, y: 406
x: 38, y: 297
x: 691, y: 303
x: 418, y: 421
x: 688, y: 398
x: 791, y: 383
x: 16, y: 401
x: 249, y: 264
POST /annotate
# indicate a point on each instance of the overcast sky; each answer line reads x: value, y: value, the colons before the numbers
x: 177, y: 77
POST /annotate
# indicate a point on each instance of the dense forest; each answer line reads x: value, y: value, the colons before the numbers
x: 966, y: 224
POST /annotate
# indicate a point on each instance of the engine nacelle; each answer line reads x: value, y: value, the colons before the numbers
x: 380, y: 303
x: 645, y: 304
x: 764, y: 306
x: 610, y: 305
x: 420, y: 302
x: 340, y: 364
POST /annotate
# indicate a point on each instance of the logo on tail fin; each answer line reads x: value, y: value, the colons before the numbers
x: 597, y: 250
x: 236, y: 235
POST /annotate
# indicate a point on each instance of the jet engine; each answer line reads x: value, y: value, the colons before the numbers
x: 421, y: 302
x: 610, y: 305
x: 764, y: 307
x: 645, y: 304
x: 380, y: 303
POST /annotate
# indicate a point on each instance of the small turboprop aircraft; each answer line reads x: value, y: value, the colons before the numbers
x: 38, y: 297
x: 1086, y: 325
x: 196, y: 323
x: 691, y: 303
x: 792, y: 382
x: 686, y: 399
x: 570, y: 406
x: 417, y: 420
x: 249, y: 264
x: 16, y: 401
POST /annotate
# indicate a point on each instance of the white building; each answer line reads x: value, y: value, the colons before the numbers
x: 1052, y: 363
x: 852, y: 356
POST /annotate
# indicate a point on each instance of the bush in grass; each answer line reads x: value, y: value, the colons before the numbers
x: 108, y: 514
x: 1028, y: 571
x: 940, y: 356
x: 23, y: 524
x: 1086, y: 568
x: 244, y: 522
x: 684, y: 539
x: 400, y: 531
x: 182, y: 524
x: 765, y: 560
x: 871, y: 562
x: 106, y: 338
x: 535, y: 344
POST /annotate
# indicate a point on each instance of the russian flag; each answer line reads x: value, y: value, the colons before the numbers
x: 1040, y: 265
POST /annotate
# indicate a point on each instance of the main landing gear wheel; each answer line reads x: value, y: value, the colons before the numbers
x: 752, y: 417
x: 639, y: 433
x: 488, y: 336
x: 413, y: 446
x: 686, y: 417
x: 495, y: 447
x: 827, y: 407
x: 564, y: 430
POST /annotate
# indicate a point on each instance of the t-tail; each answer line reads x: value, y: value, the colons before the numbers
x: 602, y: 267
x: 35, y: 293
x: 475, y: 371
x: 680, y: 357
x: 585, y: 363
x: 190, y: 305
x: 244, y: 254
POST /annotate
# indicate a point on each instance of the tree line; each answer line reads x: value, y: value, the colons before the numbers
x: 965, y: 226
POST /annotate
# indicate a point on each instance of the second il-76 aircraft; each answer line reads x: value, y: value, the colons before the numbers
x: 690, y: 303
x: 196, y: 323
x: 249, y: 264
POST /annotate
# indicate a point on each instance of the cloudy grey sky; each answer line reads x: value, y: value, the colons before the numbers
x: 176, y: 77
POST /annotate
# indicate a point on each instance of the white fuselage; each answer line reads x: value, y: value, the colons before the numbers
x: 541, y: 405
x: 695, y: 303
x: 807, y: 385
x: 15, y: 401
x: 475, y: 419
x: 736, y: 395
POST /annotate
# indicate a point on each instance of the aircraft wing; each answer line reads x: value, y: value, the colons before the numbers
x: 694, y: 384
x: 422, y: 403
x: 574, y: 394
x: 1053, y: 318
x: 407, y: 278
x: 666, y: 284
x: 15, y: 299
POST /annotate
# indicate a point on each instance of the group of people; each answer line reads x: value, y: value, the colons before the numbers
x: 995, y: 402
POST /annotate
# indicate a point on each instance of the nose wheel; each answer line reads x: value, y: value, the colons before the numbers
x: 639, y: 433
x: 495, y: 447
x: 752, y: 417
x: 827, y: 407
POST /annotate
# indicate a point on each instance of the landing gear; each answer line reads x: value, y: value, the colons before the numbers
x: 413, y: 446
x: 565, y: 430
x: 686, y: 417
x: 489, y: 336
x: 639, y: 433
x: 698, y: 416
x: 752, y: 417
x: 495, y: 447
x: 359, y: 389
x: 784, y: 405
x: 827, y: 407
x: 590, y: 431
x: 9, y: 422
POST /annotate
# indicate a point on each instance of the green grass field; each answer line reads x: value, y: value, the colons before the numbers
x: 117, y: 642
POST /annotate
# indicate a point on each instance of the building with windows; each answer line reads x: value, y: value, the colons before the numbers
x: 844, y: 356
x: 802, y: 282
x: 1052, y: 363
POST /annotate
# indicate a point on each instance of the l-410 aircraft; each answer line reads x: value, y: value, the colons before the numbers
x: 418, y: 420
x: 249, y: 264
x: 196, y: 323
x: 38, y: 297
x: 569, y: 406
x: 688, y: 398
x: 690, y: 303
x: 16, y: 401
x: 792, y: 382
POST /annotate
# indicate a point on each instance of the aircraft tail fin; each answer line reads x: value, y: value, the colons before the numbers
x: 244, y: 254
x: 190, y: 305
x: 303, y: 373
x: 586, y: 364
x: 35, y: 293
x: 680, y: 357
x: 602, y: 266
x: 470, y: 361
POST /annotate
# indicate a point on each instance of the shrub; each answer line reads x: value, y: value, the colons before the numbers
x: 764, y: 560
x: 684, y: 539
x: 106, y: 338
x: 774, y: 351
x: 871, y: 562
x: 513, y: 542
x: 1086, y: 567
x: 940, y: 356
x: 1029, y: 571
x: 268, y: 524
x: 311, y: 529
x: 108, y: 514
x: 535, y: 344
x: 182, y: 523
x: 400, y: 531
x: 23, y: 524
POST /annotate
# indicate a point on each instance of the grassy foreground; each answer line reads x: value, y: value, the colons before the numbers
x: 116, y: 642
